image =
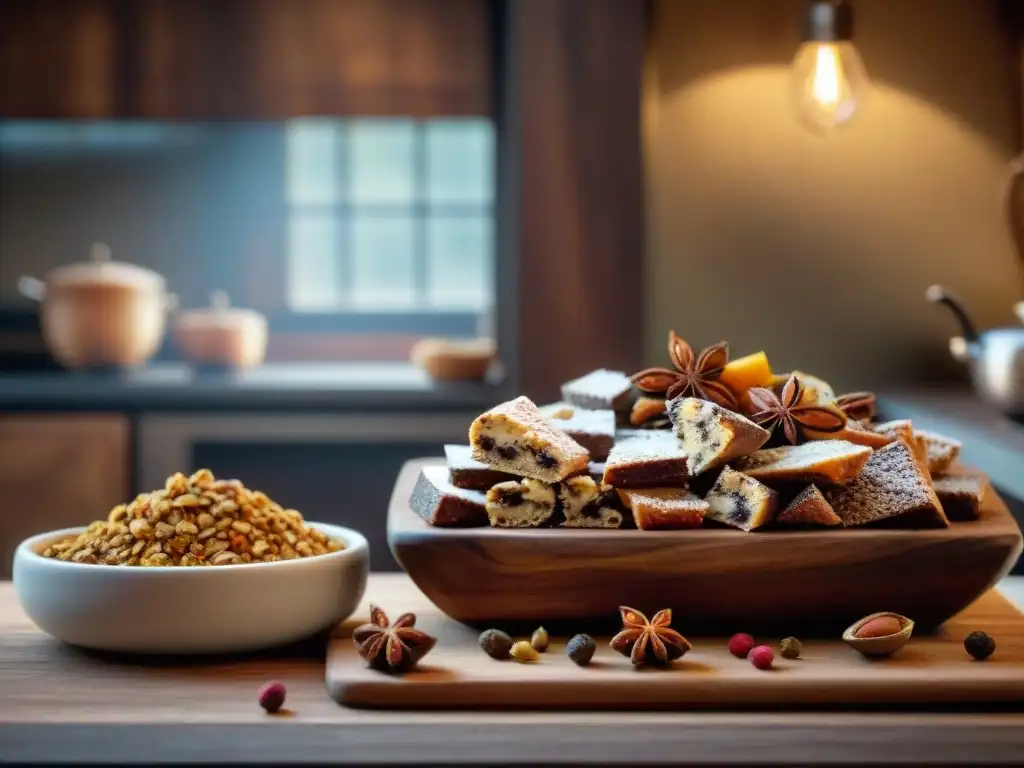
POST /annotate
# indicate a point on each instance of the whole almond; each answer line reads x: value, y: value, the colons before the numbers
x: 880, y: 627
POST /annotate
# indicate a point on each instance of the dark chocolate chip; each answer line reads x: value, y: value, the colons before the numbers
x: 507, y: 452
x: 546, y: 460
x: 591, y: 511
x: 510, y: 498
x: 487, y: 443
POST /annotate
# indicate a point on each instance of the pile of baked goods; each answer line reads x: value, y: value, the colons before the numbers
x: 705, y: 442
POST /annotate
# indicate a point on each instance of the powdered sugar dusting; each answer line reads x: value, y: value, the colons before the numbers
x: 942, y: 450
x: 588, y: 421
x: 665, y: 499
x: 966, y: 485
x: 643, y: 449
x: 600, y: 385
x: 792, y: 457
x: 437, y: 476
x: 461, y: 457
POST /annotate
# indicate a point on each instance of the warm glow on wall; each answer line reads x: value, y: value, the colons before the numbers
x: 828, y: 77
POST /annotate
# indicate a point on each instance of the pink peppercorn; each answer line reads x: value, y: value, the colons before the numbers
x: 740, y: 645
x: 271, y: 696
x: 762, y: 657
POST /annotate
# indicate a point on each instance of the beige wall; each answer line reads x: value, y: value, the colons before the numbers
x: 819, y: 250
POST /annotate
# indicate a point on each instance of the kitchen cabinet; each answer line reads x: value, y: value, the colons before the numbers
x: 58, y: 471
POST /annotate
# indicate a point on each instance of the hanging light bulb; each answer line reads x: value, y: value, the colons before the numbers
x: 828, y: 80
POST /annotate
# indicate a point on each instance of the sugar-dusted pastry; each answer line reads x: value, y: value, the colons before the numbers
x: 586, y: 505
x: 890, y: 489
x: 440, y: 503
x: 627, y: 433
x: 522, y: 503
x: 664, y: 508
x: 646, y: 462
x: 903, y: 430
x: 711, y: 435
x: 829, y: 462
x: 515, y: 437
x: 809, y: 507
x: 740, y: 501
x: 960, y: 495
x: 466, y: 472
x: 942, y: 451
x: 600, y: 390
x: 594, y: 430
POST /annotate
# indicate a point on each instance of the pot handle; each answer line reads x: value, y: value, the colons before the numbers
x: 32, y: 288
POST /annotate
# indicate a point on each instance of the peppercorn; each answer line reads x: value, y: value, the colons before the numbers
x: 980, y: 645
x: 740, y: 645
x: 523, y: 652
x: 539, y: 639
x: 762, y: 657
x: 581, y: 649
x: 496, y: 643
x: 271, y: 696
x: 791, y: 648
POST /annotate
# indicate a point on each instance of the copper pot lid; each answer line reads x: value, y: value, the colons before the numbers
x: 220, y: 314
x: 101, y: 269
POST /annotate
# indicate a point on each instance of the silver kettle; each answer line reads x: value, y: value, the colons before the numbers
x: 995, y: 358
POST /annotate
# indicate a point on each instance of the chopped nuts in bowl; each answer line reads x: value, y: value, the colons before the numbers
x: 278, y: 578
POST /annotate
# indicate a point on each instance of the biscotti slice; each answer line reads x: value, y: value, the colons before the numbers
x: 960, y: 495
x: 524, y: 503
x: 586, y: 505
x: 942, y: 451
x: 594, y: 430
x: 600, y: 390
x: 515, y: 437
x: 740, y: 501
x: 710, y: 434
x: 891, y: 489
x: 809, y: 507
x: 466, y: 472
x: 829, y: 462
x: 664, y: 508
x: 440, y: 503
x: 646, y: 463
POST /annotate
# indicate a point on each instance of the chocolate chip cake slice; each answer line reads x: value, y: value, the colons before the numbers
x: 515, y: 437
x: 740, y: 501
x: 890, y: 489
x: 961, y: 495
x: 522, y: 503
x: 646, y: 462
x: 440, y: 503
x: 600, y: 390
x: 664, y: 508
x: 586, y: 505
x: 712, y: 435
x: 829, y: 462
x: 466, y: 472
x: 809, y: 507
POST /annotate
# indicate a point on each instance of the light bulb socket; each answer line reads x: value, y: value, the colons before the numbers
x: 828, y: 21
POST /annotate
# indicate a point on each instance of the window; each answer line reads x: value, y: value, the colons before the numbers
x: 390, y: 216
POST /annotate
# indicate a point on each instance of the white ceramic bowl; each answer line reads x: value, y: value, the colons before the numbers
x: 173, y: 609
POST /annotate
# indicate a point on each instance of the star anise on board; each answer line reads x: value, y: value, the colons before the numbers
x: 694, y: 375
x: 649, y: 641
x: 859, y: 406
x: 771, y: 410
x: 391, y: 647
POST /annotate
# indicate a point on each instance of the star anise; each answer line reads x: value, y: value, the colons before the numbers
x: 649, y: 642
x: 391, y: 647
x: 770, y: 410
x: 859, y: 406
x: 694, y: 375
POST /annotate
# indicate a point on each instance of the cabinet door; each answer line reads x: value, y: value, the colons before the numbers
x: 58, y: 471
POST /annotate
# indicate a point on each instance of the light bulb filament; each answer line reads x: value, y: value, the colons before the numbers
x: 828, y: 74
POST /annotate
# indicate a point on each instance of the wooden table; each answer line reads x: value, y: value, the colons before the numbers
x: 58, y: 704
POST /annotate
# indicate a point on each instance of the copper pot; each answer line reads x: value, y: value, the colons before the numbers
x: 101, y: 312
x: 221, y: 335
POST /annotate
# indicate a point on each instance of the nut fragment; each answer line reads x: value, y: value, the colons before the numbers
x: 790, y: 648
x: 581, y: 649
x: 496, y: 643
x: 523, y: 652
x: 539, y: 640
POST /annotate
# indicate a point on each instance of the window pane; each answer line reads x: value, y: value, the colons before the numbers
x: 459, y: 261
x: 383, y: 268
x: 460, y: 161
x: 312, y: 155
x: 313, y: 277
x: 382, y: 166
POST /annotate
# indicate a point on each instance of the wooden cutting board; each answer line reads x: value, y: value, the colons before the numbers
x: 457, y: 674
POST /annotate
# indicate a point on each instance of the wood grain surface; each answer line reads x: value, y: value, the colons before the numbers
x: 59, y: 704
x: 722, y: 580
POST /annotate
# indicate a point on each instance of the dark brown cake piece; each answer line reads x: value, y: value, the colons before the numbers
x: 711, y: 435
x: 740, y: 501
x: 664, y: 508
x: 941, y: 450
x: 440, y: 503
x: 646, y: 462
x: 585, y: 504
x: 903, y: 430
x: 960, y: 495
x: 466, y: 472
x: 600, y: 390
x: 515, y: 437
x: 522, y: 503
x: 829, y: 462
x: 809, y: 507
x: 594, y: 430
x: 891, y: 489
